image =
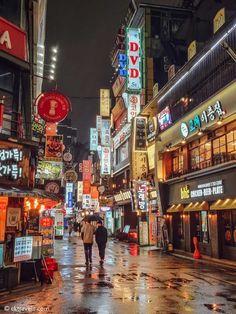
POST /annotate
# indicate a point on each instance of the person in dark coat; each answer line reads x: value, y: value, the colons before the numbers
x: 101, y: 239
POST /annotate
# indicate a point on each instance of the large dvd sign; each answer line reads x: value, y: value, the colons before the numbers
x: 134, y: 59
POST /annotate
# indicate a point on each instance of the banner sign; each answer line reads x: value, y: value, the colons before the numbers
x: 94, y: 192
x: 139, y: 165
x: 122, y: 64
x: 141, y: 195
x: 122, y: 135
x: 164, y: 118
x: 49, y: 170
x: 23, y: 249
x: 104, y: 102
x: 99, y: 124
x: 79, y: 191
x: 105, y: 134
x: 151, y: 129
x: 86, y: 187
x: 140, y: 134
x: 118, y: 84
x: 134, y: 59
x: 87, y: 170
x: 54, y: 147
x: 93, y: 139
x: 134, y: 102
x: 86, y: 203
x: 106, y: 161
x: 3, y: 215
x: 69, y: 195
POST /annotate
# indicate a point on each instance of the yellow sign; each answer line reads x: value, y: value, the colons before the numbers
x: 184, y: 192
x: 151, y: 156
x: 192, y: 49
x: 219, y: 20
x: 139, y: 165
x: 105, y: 102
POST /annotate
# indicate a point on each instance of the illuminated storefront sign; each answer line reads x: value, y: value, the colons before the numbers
x: 49, y: 170
x: 211, y: 114
x: 151, y: 129
x: 122, y: 64
x: 79, y: 191
x: 54, y: 147
x: 9, y: 163
x: 151, y: 156
x: 139, y: 165
x: 134, y: 59
x: 118, y: 84
x: 98, y: 123
x: 13, y: 40
x: 134, y: 102
x: 87, y: 170
x: 204, y: 189
x: 86, y: 203
x: 105, y: 134
x: 123, y: 196
x: 140, y: 134
x: 69, y: 195
x: 104, y: 102
x: 141, y: 195
x: 106, y: 161
x: 93, y: 139
x: 122, y: 136
x: 164, y: 118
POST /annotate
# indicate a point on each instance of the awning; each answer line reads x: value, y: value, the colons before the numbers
x: 229, y: 203
x: 21, y: 193
x: 175, y: 208
x: 196, y: 206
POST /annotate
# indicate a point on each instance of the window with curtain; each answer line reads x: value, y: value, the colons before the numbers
x: 229, y: 223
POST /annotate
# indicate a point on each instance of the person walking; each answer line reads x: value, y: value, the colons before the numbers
x: 101, y: 239
x: 87, y: 233
x: 70, y: 226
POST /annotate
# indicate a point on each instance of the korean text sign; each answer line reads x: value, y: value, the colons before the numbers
x: 134, y: 59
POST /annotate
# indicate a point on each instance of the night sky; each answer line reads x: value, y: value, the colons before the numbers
x: 85, y: 33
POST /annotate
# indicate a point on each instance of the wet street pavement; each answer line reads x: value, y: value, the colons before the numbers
x: 133, y: 280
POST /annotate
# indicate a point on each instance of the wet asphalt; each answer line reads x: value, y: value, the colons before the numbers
x: 132, y: 280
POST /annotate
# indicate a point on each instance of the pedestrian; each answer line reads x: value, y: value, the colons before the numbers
x: 70, y: 226
x: 101, y: 239
x: 79, y: 227
x: 87, y: 233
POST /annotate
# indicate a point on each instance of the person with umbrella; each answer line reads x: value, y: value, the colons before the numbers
x: 101, y: 239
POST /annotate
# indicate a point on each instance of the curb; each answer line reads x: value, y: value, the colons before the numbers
x: 204, y: 261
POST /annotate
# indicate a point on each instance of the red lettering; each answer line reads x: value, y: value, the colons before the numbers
x: 134, y: 73
x: 134, y: 59
x: 134, y: 46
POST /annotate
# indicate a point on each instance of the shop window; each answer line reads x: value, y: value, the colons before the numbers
x: 200, y: 223
x: 180, y: 223
x: 177, y: 161
x: 229, y: 222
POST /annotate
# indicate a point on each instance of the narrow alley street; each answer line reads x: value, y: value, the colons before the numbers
x: 133, y: 280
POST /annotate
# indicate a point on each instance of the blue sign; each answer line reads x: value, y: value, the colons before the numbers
x: 122, y: 64
x: 69, y: 195
x: 1, y: 255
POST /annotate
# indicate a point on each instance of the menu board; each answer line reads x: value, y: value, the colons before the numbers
x: 23, y: 249
x: 48, y: 238
x: 143, y: 233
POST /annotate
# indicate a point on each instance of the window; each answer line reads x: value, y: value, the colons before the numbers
x: 177, y: 161
x: 11, y: 11
x: 231, y: 144
x: 229, y: 223
x: 219, y: 150
x: 122, y: 153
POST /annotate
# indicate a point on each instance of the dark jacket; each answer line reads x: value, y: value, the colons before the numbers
x: 101, y: 235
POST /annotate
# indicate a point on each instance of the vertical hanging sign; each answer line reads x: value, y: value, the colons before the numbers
x: 134, y: 59
x: 104, y: 102
x: 93, y: 139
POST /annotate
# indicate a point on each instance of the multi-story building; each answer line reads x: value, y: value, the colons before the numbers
x: 161, y: 45
x: 19, y: 52
x: 195, y: 148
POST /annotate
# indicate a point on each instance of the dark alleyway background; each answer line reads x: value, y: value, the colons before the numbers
x: 133, y: 280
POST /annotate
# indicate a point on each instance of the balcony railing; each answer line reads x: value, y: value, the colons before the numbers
x: 217, y: 159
